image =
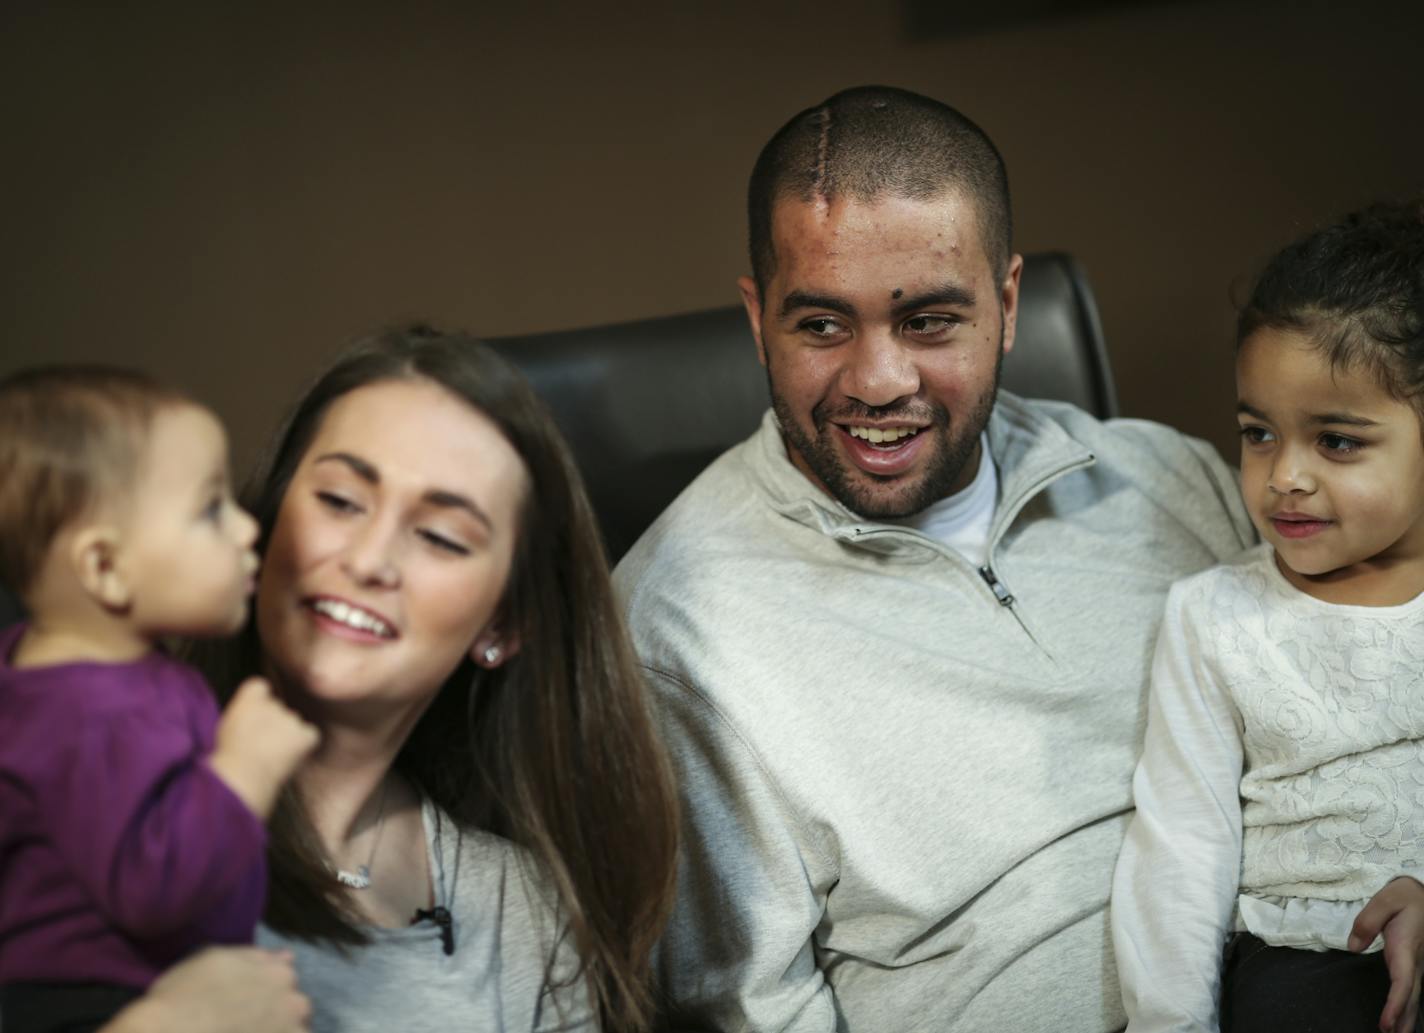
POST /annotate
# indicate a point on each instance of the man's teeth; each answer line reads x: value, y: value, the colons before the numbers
x: 352, y: 617
x: 881, y: 435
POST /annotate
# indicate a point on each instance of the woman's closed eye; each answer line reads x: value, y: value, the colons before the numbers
x: 444, y: 542
x: 337, y: 503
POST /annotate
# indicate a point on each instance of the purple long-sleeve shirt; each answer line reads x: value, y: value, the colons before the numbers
x: 120, y: 850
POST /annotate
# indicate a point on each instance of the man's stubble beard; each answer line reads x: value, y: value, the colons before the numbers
x: 848, y: 486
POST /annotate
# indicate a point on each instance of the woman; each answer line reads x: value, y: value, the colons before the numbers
x: 486, y: 837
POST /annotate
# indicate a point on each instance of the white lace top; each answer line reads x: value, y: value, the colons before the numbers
x: 1281, y: 783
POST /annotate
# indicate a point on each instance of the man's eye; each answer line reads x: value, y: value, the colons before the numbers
x: 822, y: 326
x: 1340, y: 444
x: 929, y: 324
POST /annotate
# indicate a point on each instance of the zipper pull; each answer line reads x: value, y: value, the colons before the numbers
x: 441, y: 917
x: 1000, y: 590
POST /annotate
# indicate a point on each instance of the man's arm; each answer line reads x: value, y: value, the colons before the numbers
x: 1178, y: 874
x: 752, y: 884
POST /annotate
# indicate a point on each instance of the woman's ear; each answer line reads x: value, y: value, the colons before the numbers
x: 494, y: 646
x: 94, y: 553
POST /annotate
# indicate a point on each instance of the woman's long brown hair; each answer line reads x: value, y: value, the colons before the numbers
x: 554, y: 750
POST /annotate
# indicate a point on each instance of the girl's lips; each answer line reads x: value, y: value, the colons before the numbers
x: 1297, y: 527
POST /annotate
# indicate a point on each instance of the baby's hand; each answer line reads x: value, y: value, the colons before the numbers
x: 260, y: 743
x: 1398, y: 912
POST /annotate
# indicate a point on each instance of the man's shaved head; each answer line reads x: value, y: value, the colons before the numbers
x: 876, y: 141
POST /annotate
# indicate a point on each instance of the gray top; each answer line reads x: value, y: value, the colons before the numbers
x: 504, y: 928
x: 904, y: 783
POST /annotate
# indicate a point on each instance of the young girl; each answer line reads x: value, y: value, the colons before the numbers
x: 1280, y: 795
x: 130, y: 815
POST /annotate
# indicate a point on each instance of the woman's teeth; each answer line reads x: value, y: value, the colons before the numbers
x: 352, y: 617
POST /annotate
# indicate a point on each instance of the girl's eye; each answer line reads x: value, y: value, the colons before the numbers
x: 1340, y: 444
x: 337, y: 503
x: 443, y: 543
x: 1254, y: 435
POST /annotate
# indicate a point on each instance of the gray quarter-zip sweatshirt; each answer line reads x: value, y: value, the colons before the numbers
x: 906, y: 779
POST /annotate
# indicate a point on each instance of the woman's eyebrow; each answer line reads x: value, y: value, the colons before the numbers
x: 454, y: 500
x: 359, y: 466
x: 435, y: 496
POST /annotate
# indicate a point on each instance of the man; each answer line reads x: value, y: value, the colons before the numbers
x: 900, y: 636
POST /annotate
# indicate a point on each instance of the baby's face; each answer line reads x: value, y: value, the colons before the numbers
x: 187, y: 547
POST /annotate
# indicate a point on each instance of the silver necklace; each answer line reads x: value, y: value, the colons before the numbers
x: 360, y: 879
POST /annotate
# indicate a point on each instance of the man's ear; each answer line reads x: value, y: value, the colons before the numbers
x: 495, y: 645
x: 94, y: 552
x: 1009, y: 301
x: 751, y: 300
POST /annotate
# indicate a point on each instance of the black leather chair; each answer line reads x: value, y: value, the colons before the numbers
x: 647, y: 405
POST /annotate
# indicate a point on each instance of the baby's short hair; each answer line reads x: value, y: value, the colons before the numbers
x: 68, y: 435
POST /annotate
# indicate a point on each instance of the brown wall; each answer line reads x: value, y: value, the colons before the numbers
x: 226, y: 198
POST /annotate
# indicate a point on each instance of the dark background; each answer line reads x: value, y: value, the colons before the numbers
x: 226, y: 194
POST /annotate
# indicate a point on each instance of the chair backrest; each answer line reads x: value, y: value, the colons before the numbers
x: 646, y: 405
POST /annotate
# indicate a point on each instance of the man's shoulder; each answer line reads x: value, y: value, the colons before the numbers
x: 1126, y: 440
x: 715, y: 517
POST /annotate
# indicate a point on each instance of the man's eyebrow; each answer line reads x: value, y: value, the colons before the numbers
x: 944, y: 294
x: 806, y: 299
x: 436, y: 496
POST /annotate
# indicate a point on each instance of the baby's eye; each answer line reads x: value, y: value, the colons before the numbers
x: 213, y: 511
x: 1340, y: 445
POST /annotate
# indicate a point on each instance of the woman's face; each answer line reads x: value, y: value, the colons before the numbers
x: 391, y: 550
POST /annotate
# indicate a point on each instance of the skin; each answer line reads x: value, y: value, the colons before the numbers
x: 1333, y: 445
x: 220, y: 990
x: 883, y: 314
x: 1332, y: 472
x: 187, y: 551
x: 421, y: 539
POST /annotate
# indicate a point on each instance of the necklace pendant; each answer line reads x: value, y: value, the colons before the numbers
x: 357, y: 880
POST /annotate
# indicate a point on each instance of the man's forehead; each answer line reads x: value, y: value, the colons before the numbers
x: 820, y: 233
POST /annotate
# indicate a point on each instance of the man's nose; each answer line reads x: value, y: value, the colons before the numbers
x: 880, y: 370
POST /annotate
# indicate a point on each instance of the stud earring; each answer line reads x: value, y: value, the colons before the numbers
x: 492, y: 655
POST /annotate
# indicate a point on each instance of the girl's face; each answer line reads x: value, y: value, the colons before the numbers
x: 1332, y: 467
x: 391, y: 551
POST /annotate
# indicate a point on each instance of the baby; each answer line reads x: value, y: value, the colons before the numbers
x: 131, y: 816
